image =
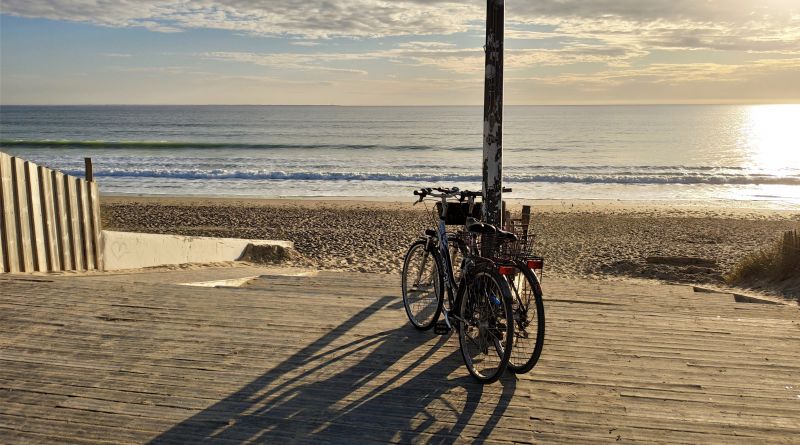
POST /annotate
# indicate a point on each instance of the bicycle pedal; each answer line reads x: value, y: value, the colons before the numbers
x: 441, y: 328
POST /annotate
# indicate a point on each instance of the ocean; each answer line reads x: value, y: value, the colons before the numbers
x: 725, y: 154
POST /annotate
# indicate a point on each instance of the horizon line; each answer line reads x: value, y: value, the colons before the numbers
x: 410, y: 105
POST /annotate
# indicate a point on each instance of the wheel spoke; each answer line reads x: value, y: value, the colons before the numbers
x: 529, y: 323
x: 421, y: 296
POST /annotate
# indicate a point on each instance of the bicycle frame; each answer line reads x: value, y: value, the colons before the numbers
x: 454, y: 293
x: 454, y: 290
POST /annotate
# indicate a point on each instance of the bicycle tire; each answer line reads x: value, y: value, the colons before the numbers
x: 422, y: 314
x: 526, y: 353
x: 484, y: 321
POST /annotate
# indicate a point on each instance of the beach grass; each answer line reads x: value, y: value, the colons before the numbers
x: 775, y: 266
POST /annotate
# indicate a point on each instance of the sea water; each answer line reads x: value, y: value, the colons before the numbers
x: 708, y: 153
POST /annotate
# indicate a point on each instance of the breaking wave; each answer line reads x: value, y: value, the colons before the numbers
x: 627, y: 177
x: 171, y: 145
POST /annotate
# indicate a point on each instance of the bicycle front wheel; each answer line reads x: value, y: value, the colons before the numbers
x: 486, y: 325
x: 528, y: 311
x: 422, y: 286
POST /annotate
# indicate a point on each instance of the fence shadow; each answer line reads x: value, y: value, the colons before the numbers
x: 368, y: 390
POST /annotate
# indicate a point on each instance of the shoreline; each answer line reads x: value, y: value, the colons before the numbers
x: 550, y: 205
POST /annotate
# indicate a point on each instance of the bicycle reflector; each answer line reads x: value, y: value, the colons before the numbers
x: 506, y: 270
x: 535, y: 264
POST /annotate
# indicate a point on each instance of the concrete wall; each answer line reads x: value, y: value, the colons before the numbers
x: 124, y: 250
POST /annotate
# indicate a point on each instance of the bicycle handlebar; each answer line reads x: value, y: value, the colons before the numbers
x: 454, y: 191
x: 429, y: 191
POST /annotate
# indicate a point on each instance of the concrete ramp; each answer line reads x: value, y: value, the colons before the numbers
x: 126, y: 250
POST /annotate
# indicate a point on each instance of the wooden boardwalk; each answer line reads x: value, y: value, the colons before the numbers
x: 332, y: 359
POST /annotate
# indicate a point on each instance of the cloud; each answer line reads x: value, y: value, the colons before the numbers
x: 675, y: 74
x: 304, y: 18
x: 587, y: 45
x: 304, y: 43
x: 720, y: 11
x: 761, y: 81
x: 442, y: 56
x: 728, y: 25
x: 736, y: 25
x: 291, y: 61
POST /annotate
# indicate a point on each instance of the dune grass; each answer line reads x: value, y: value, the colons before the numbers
x: 775, y: 267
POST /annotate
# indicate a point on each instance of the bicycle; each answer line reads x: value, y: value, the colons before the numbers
x: 479, y: 304
x: 517, y: 262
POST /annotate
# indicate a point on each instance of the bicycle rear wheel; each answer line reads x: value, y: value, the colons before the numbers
x: 422, y: 286
x: 529, y: 324
x: 486, y: 325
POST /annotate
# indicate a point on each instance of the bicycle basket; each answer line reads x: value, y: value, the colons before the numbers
x: 492, y: 246
x: 457, y: 212
x: 523, y: 247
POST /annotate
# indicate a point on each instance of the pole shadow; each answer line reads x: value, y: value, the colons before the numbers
x: 354, y: 393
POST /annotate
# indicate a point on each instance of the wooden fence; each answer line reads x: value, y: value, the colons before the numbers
x: 49, y: 221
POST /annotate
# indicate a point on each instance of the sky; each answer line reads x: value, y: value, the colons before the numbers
x: 399, y: 52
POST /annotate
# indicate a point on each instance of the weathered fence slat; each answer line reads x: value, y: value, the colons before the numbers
x: 3, y: 267
x: 37, y: 217
x: 8, y: 241
x: 86, y: 224
x: 65, y: 242
x: 50, y: 219
x: 73, y: 202
x: 94, y: 201
x: 23, y: 216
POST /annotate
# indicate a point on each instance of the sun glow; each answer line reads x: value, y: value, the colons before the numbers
x: 772, y: 135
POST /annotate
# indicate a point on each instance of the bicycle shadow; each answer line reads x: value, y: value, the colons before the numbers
x: 365, y: 391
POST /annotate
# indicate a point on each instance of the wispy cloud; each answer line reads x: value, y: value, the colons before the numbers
x: 291, y: 61
x: 674, y: 74
x: 306, y: 18
x: 304, y: 43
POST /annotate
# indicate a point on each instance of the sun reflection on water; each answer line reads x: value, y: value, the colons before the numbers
x: 772, y: 136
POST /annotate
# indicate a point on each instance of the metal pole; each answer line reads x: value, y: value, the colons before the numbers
x: 493, y: 114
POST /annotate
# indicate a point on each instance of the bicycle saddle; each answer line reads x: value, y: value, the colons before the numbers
x: 507, y: 236
x: 479, y: 227
x: 475, y: 226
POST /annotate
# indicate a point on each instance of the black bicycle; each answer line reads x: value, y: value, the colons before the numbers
x: 479, y: 304
x: 517, y: 262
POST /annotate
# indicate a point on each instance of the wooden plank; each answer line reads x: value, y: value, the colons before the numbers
x: 85, y: 217
x: 62, y: 215
x: 89, y: 170
x: 526, y: 219
x: 76, y: 236
x: 24, y: 229
x: 37, y: 215
x: 50, y: 219
x: 7, y: 244
x: 94, y: 203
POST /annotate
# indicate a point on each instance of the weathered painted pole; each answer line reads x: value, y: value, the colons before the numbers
x: 493, y: 114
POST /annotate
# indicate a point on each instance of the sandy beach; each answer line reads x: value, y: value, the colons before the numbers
x: 581, y: 238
